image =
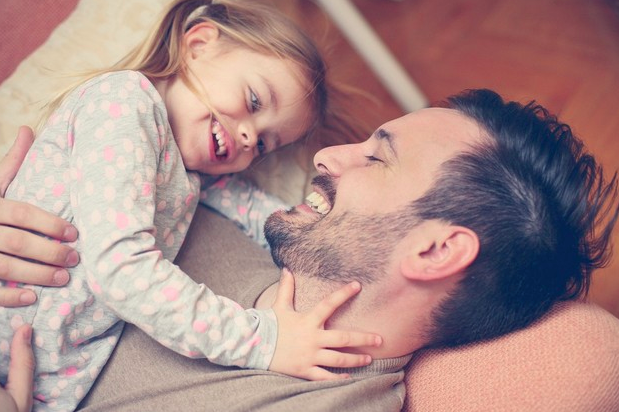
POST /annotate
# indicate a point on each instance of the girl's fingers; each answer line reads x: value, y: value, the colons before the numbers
x: 349, y: 339
x: 323, y: 311
x: 320, y: 374
x: 285, y: 291
x: 335, y: 359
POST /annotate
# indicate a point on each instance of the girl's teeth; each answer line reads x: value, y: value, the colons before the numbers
x: 221, y: 150
x: 219, y: 138
x: 216, y: 127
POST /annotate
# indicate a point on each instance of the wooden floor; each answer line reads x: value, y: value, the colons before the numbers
x: 562, y: 53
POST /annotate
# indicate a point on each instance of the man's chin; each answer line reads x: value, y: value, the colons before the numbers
x: 277, y: 231
x: 283, y: 231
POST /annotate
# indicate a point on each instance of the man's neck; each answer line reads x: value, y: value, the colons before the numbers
x: 361, y: 313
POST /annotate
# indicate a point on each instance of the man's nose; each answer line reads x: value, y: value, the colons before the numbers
x: 335, y: 160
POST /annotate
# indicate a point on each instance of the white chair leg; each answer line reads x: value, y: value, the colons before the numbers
x: 372, y: 49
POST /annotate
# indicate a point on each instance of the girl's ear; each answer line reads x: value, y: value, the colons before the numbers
x: 197, y: 39
x: 446, y: 251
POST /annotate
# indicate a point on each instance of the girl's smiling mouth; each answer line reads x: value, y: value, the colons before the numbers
x: 219, y: 140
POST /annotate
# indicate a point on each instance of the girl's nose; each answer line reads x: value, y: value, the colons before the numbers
x: 248, y: 137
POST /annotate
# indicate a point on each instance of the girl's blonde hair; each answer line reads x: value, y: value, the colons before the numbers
x: 246, y: 24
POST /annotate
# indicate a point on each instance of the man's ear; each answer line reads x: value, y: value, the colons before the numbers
x: 199, y: 37
x: 444, y: 252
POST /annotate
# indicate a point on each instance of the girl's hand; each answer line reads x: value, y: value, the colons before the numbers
x: 304, y: 347
x: 17, y: 243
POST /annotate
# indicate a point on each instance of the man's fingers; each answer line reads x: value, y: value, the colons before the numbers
x: 27, y: 216
x: 21, y: 369
x: 285, y: 291
x: 332, y: 302
x: 14, y: 157
x: 13, y: 269
x: 18, y: 270
x: 27, y: 245
x: 15, y: 297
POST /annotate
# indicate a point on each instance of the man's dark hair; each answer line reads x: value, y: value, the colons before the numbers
x: 542, y: 211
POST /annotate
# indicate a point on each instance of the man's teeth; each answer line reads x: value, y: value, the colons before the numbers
x: 219, y: 138
x: 318, y: 203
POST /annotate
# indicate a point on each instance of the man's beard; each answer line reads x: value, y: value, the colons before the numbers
x: 336, y: 248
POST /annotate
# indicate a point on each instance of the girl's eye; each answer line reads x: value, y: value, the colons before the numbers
x: 255, y: 104
x: 262, y: 147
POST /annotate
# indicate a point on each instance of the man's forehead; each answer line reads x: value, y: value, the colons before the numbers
x: 431, y: 116
x: 435, y: 123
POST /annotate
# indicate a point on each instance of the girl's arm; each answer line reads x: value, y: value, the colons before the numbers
x: 20, y: 249
x: 242, y: 202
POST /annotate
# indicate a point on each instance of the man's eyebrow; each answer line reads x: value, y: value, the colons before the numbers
x: 384, y: 135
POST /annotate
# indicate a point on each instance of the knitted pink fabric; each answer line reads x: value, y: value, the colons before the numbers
x: 567, y: 361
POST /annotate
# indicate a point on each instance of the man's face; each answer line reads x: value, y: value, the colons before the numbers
x: 351, y: 224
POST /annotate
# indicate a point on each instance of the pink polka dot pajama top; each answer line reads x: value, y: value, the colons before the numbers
x: 108, y: 163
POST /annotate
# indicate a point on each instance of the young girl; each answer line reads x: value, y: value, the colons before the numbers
x: 215, y: 86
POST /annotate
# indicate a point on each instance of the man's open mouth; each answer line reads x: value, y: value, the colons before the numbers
x: 318, y: 203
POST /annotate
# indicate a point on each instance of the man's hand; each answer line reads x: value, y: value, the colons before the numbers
x: 17, y: 243
x: 304, y: 347
x: 17, y: 395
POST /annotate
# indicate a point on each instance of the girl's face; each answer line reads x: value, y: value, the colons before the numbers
x: 257, y: 104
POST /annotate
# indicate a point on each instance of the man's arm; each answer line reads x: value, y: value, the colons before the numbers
x: 17, y: 395
x: 17, y: 243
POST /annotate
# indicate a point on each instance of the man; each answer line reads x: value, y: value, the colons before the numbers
x: 461, y: 223
x: 17, y: 394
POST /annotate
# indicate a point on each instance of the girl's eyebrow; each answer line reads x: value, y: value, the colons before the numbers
x: 272, y: 94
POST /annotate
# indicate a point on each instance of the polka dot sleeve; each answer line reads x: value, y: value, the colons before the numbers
x: 242, y: 202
